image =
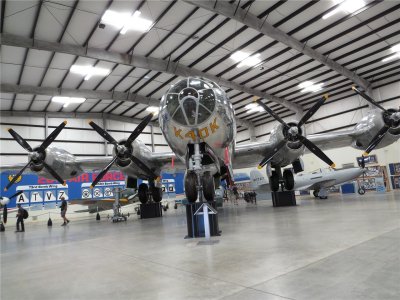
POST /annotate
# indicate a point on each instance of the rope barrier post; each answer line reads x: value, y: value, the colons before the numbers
x: 49, y: 222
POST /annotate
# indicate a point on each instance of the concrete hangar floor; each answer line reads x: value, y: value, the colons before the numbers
x: 346, y: 247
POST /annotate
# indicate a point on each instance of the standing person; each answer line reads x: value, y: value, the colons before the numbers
x: 20, y: 218
x: 64, y: 206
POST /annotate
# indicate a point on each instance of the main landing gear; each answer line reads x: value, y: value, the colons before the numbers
x: 151, y: 191
x: 285, y: 180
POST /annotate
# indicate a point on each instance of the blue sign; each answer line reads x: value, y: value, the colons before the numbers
x: 39, y: 191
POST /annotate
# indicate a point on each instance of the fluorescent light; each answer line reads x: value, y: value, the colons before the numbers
x: 89, y: 71
x: 391, y: 57
x: 352, y: 5
x: 253, y: 107
x: 245, y: 59
x: 396, y: 48
x: 349, y: 6
x: 309, y: 86
x: 153, y: 109
x: 67, y: 100
x: 126, y: 21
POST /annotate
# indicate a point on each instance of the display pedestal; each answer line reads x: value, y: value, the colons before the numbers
x: 195, y: 223
x: 150, y: 210
x: 285, y: 198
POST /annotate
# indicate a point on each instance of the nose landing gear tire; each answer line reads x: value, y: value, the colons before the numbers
x: 190, y: 186
x: 361, y: 191
x: 208, y: 186
x: 156, y: 193
x: 315, y: 193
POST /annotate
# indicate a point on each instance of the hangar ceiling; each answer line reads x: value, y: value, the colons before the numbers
x: 282, y: 45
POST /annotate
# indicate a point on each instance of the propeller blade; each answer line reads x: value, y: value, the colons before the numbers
x: 318, y: 152
x: 16, y: 176
x: 103, y: 172
x: 368, y: 98
x: 272, y: 154
x: 52, y: 136
x: 138, y: 130
x: 312, y: 110
x: 103, y: 133
x: 20, y: 140
x: 377, y: 139
x: 272, y: 113
x: 142, y: 166
x: 54, y: 173
x: 17, y: 194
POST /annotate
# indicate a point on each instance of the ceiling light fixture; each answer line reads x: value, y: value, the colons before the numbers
x: 153, y: 109
x: 126, y: 21
x: 67, y: 100
x: 89, y: 71
x: 245, y: 59
x: 349, y: 6
x: 396, y: 49
x: 253, y: 108
x: 309, y: 86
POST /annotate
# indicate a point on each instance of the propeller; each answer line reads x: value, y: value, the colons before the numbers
x: 391, y: 118
x: 123, y: 149
x: 293, y: 133
x: 37, y: 155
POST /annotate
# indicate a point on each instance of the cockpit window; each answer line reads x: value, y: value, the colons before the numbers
x: 178, y: 87
x: 192, y: 101
x: 172, y: 103
x: 190, y: 107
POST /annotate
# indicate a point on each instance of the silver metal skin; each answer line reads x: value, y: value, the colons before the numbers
x: 60, y: 160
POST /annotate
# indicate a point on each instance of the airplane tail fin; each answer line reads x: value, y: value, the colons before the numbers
x: 257, y: 179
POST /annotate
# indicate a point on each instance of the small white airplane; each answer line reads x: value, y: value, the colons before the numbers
x: 319, y: 181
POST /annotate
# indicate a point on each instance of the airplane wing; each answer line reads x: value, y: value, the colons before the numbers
x: 249, y: 155
x: 335, y: 139
x: 318, y: 185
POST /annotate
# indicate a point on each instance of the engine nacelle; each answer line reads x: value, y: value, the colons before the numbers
x: 63, y: 162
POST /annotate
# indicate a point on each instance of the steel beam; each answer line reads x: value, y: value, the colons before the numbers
x: 138, y: 61
x: 88, y: 94
x: 243, y: 16
x: 99, y: 116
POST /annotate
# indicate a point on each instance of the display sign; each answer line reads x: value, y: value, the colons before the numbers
x: 380, y: 185
x: 39, y: 191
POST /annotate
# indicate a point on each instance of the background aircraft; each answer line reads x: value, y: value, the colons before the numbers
x: 318, y: 181
x: 198, y: 122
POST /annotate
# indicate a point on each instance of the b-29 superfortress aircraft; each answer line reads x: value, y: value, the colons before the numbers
x: 198, y: 122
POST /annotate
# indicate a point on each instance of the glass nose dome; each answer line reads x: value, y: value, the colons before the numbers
x: 192, y: 101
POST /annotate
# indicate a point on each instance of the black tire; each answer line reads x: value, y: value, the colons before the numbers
x: 361, y: 191
x: 190, y: 187
x: 315, y: 193
x: 143, y: 193
x: 274, y: 181
x: 156, y: 193
x: 323, y: 198
x: 208, y: 186
x: 217, y: 181
x: 288, y: 179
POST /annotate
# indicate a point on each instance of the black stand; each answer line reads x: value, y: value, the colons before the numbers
x: 150, y: 210
x: 285, y: 198
x: 195, y: 223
